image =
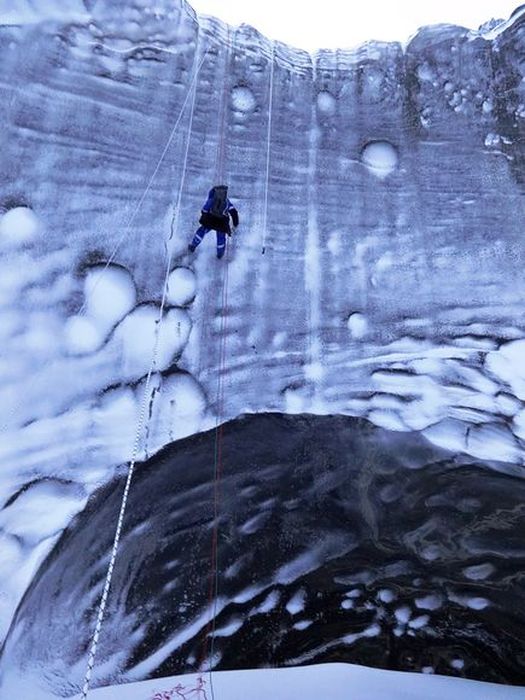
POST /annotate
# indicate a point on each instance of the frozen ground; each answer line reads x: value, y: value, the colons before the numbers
x: 391, y: 285
x: 334, y: 681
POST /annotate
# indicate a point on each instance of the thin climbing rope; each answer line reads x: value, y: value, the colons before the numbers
x: 127, y: 227
x: 220, y: 401
x: 268, y: 147
x: 138, y: 206
x: 213, y: 579
x: 142, y: 415
x: 218, y: 446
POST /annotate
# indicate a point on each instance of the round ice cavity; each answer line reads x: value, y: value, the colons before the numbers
x: 357, y: 325
x: 136, y: 338
x: 243, y: 99
x: 380, y: 157
x: 177, y: 410
x: 19, y: 225
x: 326, y: 103
x: 181, y: 286
x: 81, y: 336
x: 109, y: 293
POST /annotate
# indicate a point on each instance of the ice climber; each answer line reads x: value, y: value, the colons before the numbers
x: 215, y: 216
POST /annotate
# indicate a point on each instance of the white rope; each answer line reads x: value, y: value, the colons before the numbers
x: 143, y: 410
x: 219, y: 168
x: 92, y: 289
x: 268, y: 145
x: 144, y: 194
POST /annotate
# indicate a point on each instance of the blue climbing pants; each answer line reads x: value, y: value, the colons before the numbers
x: 221, y: 239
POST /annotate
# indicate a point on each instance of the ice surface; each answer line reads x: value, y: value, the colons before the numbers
x: 417, y: 623
x: 403, y: 614
x: 41, y: 511
x: 333, y: 514
x: 109, y: 293
x: 296, y: 603
x: 182, y: 286
x: 336, y: 680
x: 391, y: 284
x: 429, y: 602
x: 386, y: 595
x: 380, y: 157
x: 18, y: 226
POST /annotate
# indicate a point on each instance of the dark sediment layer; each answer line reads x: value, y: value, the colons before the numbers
x: 337, y: 541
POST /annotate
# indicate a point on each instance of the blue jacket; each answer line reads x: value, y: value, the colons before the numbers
x: 228, y: 209
x: 218, y: 222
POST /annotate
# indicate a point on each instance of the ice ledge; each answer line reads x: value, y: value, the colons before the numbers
x: 165, y: 12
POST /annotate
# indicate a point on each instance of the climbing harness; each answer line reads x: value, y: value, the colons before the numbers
x: 145, y: 400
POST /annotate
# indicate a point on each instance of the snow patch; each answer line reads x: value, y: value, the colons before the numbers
x: 326, y: 103
x: 243, y: 99
x: 269, y: 603
x: 82, y: 336
x: 357, y: 325
x: 386, y: 595
x: 336, y: 681
x: 231, y: 628
x: 472, y: 602
x: 296, y: 604
x: 429, y: 602
x: 302, y: 624
x: 44, y: 509
x: 403, y: 614
x: 253, y: 524
x: 178, y: 409
x: 418, y: 623
x: 135, y: 336
x: 182, y: 286
x: 479, y: 572
x: 110, y: 294
x: 18, y: 226
x: 508, y: 365
x: 371, y: 631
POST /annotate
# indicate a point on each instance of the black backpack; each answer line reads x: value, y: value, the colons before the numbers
x: 220, y: 199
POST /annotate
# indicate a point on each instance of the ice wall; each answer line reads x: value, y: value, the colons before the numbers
x: 391, y: 282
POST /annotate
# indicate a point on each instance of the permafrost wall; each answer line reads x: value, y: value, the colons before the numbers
x: 391, y: 282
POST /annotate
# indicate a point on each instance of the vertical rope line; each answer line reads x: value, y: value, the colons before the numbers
x: 127, y: 227
x: 268, y: 149
x: 220, y: 398
x: 213, y: 583
x: 218, y: 454
x: 140, y: 426
x: 148, y: 186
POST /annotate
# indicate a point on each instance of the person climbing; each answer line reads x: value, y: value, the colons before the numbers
x: 215, y: 216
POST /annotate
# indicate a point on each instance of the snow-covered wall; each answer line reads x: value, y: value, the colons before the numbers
x: 391, y: 284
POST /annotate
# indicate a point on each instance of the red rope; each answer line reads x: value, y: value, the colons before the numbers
x: 209, y: 630
x: 218, y: 464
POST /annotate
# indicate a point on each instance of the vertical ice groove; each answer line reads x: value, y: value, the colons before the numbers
x: 312, y: 261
